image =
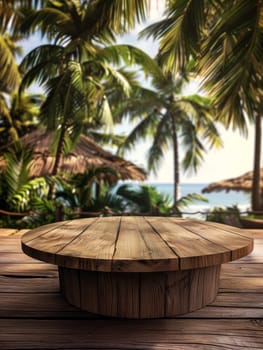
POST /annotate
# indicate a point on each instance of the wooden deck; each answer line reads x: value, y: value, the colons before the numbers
x: 34, y: 315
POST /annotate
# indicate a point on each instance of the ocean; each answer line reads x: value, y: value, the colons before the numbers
x: 215, y: 199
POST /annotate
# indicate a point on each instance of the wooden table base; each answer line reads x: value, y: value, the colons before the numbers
x: 140, y: 295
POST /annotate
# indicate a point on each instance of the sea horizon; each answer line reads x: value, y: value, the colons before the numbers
x: 198, y: 209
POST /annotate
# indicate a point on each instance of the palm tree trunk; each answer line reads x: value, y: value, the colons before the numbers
x: 58, y: 158
x: 176, y: 161
x: 256, y: 191
x: 60, y: 148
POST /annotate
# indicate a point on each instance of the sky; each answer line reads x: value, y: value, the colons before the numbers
x: 234, y: 159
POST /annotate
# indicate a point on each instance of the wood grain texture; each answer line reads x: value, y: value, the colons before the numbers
x: 136, y: 244
x: 140, y: 295
x: 222, y: 235
x: 36, y: 321
x: 108, y: 334
x: 139, y: 244
x: 137, y: 267
x: 7, y: 231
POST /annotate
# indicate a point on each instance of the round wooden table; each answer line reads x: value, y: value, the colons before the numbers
x: 138, y: 267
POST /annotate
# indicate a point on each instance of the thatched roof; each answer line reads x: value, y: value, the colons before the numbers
x: 241, y: 183
x: 84, y: 155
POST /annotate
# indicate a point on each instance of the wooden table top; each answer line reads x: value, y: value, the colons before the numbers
x: 136, y: 244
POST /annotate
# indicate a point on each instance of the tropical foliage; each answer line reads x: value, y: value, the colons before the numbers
x: 19, y: 114
x: 147, y: 200
x: 89, y: 84
x: 228, y: 215
x: 226, y: 39
x: 76, y: 66
x: 18, y: 192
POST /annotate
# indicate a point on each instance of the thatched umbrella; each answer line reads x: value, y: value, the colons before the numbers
x: 240, y: 183
x: 86, y: 154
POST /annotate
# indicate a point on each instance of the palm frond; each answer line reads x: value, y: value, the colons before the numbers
x: 9, y: 73
x: 41, y: 64
x: 145, y: 127
x: 34, y: 188
x: 48, y: 20
x: 130, y: 55
x: 110, y: 139
x: 65, y: 97
x: 162, y: 136
x: 118, y: 78
x: 179, y: 33
x: 17, y: 169
x: 140, y: 103
x: 194, y: 148
x: 189, y: 199
x: 104, y: 113
x: 231, y: 61
x: 11, y: 13
x: 138, y: 198
x: 121, y: 16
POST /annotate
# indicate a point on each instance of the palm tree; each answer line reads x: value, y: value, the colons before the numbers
x: 169, y: 117
x: 226, y: 39
x: 18, y: 116
x: 10, y: 33
x: 75, y: 68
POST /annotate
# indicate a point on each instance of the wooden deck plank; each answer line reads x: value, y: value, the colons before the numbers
x: 115, y: 334
x: 28, y: 270
x: 16, y: 258
x: 242, y: 284
x: 8, y: 231
x: 34, y: 315
x: 30, y: 285
x: 242, y: 269
x: 41, y: 305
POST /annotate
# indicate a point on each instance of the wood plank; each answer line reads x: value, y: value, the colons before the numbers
x: 94, y: 248
x: 89, y: 291
x: 242, y: 269
x: 37, y: 232
x: 253, y: 233
x: 250, y: 259
x: 17, y: 258
x: 245, y: 284
x: 140, y: 249
x: 7, y: 231
x: 9, y: 284
x: 240, y: 300
x: 38, y: 306
x: 258, y: 250
x: 153, y: 292
x: 63, y: 231
x: 47, y: 241
x: 119, y: 334
x: 223, y: 235
x: 10, y: 245
x: 29, y: 270
x: 19, y: 233
x: 225, y: 312
x: 70, y: 285
x: 193, y: 251
x: 54, y: 305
